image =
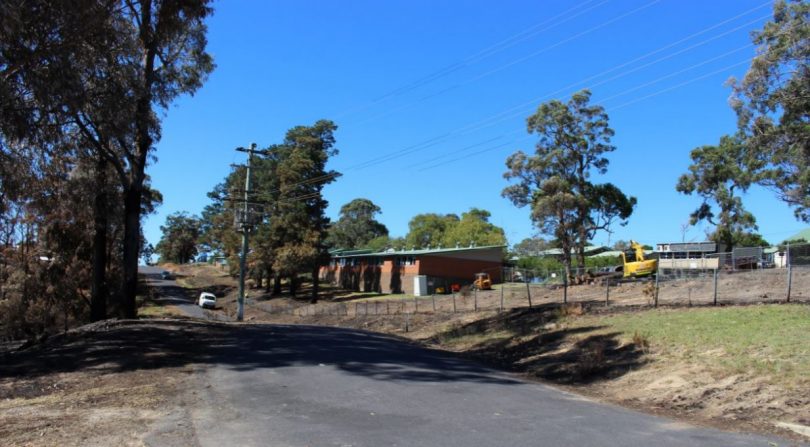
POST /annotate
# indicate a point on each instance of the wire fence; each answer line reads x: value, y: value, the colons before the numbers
x: 762, y: 281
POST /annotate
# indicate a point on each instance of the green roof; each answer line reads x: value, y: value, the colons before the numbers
x: 804, y: 234
x: 393, y: 252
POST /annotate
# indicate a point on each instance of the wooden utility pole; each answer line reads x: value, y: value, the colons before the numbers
x: 244, y: 224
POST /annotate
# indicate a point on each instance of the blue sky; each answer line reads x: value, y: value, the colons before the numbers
x: 431, y: 97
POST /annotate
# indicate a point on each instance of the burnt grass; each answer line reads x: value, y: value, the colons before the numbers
x: 543, y: 347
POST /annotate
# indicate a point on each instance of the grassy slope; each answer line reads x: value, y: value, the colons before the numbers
x: 765, y: 340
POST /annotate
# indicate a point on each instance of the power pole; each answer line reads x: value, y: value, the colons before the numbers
x: 244, y: 225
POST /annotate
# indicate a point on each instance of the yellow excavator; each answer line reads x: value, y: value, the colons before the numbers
x: 638, y: 266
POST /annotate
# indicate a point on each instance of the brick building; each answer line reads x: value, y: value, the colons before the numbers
x: 393, y: 271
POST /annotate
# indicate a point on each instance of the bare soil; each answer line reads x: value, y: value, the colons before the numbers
x: 99, y: 385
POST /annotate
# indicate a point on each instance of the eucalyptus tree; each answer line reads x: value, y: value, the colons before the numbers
x: 719, y: 174
x: 429, y: 229
x: 474, y: 228
x: 101, y: 73
x: 555, y: 181
x: 357, y: 225
x: 772, y: 102
x: 179, y: 241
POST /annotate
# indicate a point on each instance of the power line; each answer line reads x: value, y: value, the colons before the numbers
x: 514, y: 62
x: 676, y: 86
x: 633, y: 70
x: 480, y: 55
x: 675, y: 73
x: 520, y: 109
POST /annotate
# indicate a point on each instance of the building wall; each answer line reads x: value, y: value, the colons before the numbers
x: 686, y: 264
x: 389, y: 277
x: 385, y: 278
x: 462, y: 269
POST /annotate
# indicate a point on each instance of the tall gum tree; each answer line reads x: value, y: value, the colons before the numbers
x: 719, y: 174
x: 102, y: 72
x: 772, y: 102
x: 555, y: 181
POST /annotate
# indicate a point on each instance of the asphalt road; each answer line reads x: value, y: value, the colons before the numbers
x: 270, y: 385
x: 168, y: 292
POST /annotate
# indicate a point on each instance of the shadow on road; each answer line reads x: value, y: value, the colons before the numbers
x: 156, y: 344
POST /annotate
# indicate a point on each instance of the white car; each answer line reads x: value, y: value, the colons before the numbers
x: 207, y: 300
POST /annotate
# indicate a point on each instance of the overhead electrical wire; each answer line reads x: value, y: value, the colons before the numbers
x: 503, y: 115
x: 626, y: 73
x: 482, y: 54
x: 514, y: 62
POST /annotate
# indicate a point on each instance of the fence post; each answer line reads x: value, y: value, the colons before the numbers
x: 565, y: 287
x: 475, y: 299
x: 407, y: 321
x: 433, y: 298
x: 454, y: 302
x: 655, y: 293
x: 355, y: 309
x: 528, y: 293
x: 607, y: 291
x: 503, y: 286
x: 715, y: 285
x: 789, y: 280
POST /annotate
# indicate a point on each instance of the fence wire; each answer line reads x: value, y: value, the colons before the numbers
x: 782, y: 277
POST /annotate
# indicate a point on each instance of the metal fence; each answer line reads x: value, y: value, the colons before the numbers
x: 729, y: 283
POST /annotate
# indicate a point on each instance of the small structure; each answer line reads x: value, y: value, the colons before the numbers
x: 688, y: 255
x: 393, y: 271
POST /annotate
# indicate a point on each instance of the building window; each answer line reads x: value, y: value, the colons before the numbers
x: 406, y: 260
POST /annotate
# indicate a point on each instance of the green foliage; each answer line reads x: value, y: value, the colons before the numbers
x: 356, y: 226
x: 474, y: 228
x: 552, y: 264
x: 772, y: 102
x: 435, y: 230
x: 179, y: 241
x: 717, y: 174
x: 147, y: 251
x: 749, y: 239
x: 530, y: 246
x: 555, y: 182
x: 299, y: 219
x: 428, y: 230
x: 291, y: 226
x: 382, y: 243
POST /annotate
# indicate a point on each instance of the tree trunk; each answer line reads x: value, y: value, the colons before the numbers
x: 98, y: 290
x: 293, y: 285
x: 132, y: 233
x: 276, y: 284
x: 269, y: 273
x: 315, y: 284
x: 133, y: 188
